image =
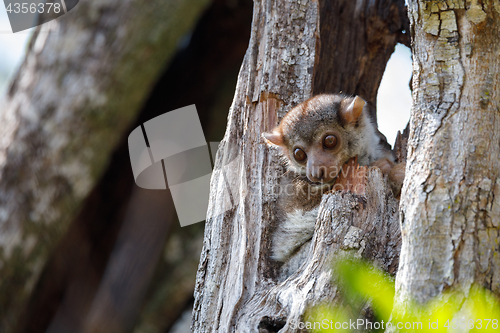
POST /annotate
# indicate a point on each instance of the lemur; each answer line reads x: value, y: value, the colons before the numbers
x: 315, y: 139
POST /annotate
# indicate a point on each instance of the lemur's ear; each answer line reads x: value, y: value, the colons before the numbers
x: 274, y: 138
x: 352, y: 112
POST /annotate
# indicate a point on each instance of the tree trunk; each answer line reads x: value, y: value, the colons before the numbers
x: 451, y: 196
x: 297, y: 49
x: 77, y: 91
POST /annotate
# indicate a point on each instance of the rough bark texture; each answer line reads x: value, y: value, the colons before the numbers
x: 76, y: 92
x: 286, y: 62
x: 451, y: 197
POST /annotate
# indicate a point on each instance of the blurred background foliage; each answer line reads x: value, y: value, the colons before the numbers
x: 368, y: 293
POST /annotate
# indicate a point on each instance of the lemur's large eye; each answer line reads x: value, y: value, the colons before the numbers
x: 299, y: 155
x: 330, y: 141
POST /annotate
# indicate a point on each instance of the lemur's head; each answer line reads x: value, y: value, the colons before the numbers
x: 319, y: 135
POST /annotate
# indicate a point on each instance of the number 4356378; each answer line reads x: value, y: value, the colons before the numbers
x: 27, y: 7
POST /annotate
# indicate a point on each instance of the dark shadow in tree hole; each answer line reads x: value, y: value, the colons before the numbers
x: 271, y: 325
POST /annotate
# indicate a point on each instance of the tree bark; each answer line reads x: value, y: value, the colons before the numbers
x: 77, y: 91
x: 294, y: 52
x: 451, y: 196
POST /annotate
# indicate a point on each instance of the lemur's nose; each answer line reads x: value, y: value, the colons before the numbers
x: 317, y: 174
